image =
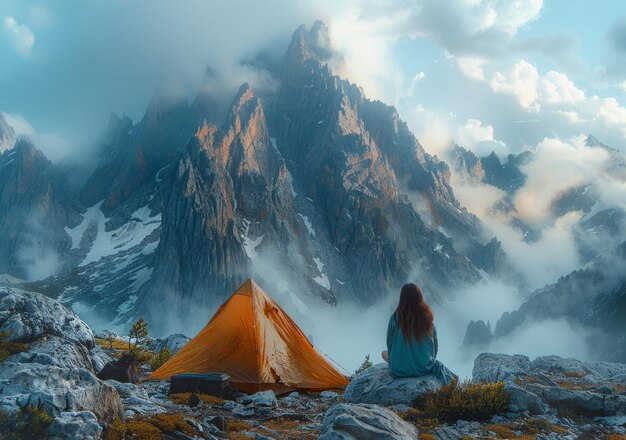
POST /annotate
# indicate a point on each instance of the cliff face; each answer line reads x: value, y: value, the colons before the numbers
x: 229, y: 202
x: 31, y: 219
x: 507, y: 176
x: 358, y: 161
x: 134, y: 154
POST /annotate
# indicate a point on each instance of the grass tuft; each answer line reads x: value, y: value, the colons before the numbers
x: 238, y: 426
x: 10, y: 348
x: 183, y: 399
x: 540, y: 426
x: 149, y: 427
x: 463, y: 401
x: 33, y: 422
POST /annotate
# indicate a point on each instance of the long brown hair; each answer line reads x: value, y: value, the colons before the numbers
x: 414, y: 316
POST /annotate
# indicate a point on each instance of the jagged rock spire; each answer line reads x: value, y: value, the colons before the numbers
x: 7, y: 134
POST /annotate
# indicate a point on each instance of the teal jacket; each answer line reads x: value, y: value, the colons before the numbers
x: 415, y: 358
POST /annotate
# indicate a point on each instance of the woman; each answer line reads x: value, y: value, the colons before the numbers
x: 412, y: 338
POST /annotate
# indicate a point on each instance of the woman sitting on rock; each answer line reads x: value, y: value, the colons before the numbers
x: 412, y: 339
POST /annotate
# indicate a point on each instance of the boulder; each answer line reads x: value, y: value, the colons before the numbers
x: 56, y: 372
x: 81, y: 425
x: 376, y: 385
x: 558, y: 365
x: 495, y: 367
x: 364, y: 422
x: 582, y: 402
x: 523, y: 400
x: 262, y: 398
x: 99, y: 358
x: 109, y: 334
x: 29, y: 316
x: 57, y: 390
x: 608, y: 371
x: 174, y: 342
x: 54, y: 350
x: 128, y: 390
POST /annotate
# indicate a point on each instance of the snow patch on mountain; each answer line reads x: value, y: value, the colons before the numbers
x: 322, y: 279
x: 290, y: 180
x: 127, y: 306
x: 308, y: 224
x: 130, y: 234
x: 141, y: 277
x: 250, y: 244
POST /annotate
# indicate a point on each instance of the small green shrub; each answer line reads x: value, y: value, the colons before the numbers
x: 423, y: 422
x: 9, y: 348
x: 32, y: 422
x: 466, y: 401
x: 364, y: 366
x: 160, y: 358
x: 142, y: 355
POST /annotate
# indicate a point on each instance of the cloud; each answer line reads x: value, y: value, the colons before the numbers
x: 433, y: 129
x: 544, y: 338
x: 533, y: 90
x: 472, y: 67
x: 557, y: 88
x: 478, y: 198
x: 558, y: 165
x: 471, y: 27
x: 366, y: 30
x: 20, y: 35
x: 521, y: 82
x: 555, y: 94
x: 571, y: 116
x: 53, y: 145
x: 608, y: 111
x: 543, y: 261
x: 479, y: 138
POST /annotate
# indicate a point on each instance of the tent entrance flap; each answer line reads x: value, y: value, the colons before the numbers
x: 254, y: 341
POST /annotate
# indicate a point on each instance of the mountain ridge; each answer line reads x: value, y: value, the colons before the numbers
x: 312, y: 188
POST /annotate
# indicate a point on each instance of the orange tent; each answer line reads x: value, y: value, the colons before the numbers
x: 254, y: 341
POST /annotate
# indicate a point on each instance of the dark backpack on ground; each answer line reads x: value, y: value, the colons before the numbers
x: 122, y: 370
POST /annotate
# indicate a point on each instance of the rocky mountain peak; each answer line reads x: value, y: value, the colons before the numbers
x: 594, y: 142
x: 28, y: 163
x: 243, y: 96
x: 313, y: 43
x: 7, y: 134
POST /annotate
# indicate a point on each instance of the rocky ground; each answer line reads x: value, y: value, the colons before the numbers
x: 54, y: 357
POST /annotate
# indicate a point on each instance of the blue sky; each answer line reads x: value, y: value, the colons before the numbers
x: 489, y: 74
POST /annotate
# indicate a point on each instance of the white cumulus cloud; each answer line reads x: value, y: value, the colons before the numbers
x: 522, y: 82
x: 20, y: 35
x: 479, y: 138
x: 472, y: 67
